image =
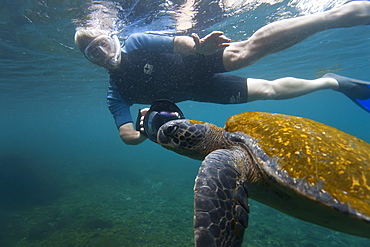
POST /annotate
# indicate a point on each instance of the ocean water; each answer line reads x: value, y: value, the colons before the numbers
x: 67, y: 180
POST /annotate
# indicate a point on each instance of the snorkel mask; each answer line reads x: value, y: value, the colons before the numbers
x: 161, y: 112
x: 102, y: 47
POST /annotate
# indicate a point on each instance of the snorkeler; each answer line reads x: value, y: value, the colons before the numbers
x: 150, y: 67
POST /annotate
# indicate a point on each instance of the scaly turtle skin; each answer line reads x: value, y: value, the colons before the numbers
x: 303, y: 168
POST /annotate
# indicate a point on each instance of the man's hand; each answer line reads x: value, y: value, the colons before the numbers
x: 132, y: 136
x: 210, y: 43
x: 140, y: 120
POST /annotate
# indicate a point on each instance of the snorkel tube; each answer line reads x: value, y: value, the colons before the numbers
x: 161, y: 112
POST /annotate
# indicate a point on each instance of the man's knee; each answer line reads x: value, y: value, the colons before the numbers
x: 259, y: 89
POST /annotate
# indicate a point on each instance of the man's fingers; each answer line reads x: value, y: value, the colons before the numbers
x: 224, y: 45
x: 217, y: 35
x: 144, y: 111
x: 220, y: 39
x: 196, y: 38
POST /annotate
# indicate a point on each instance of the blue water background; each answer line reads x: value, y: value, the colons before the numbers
x: 55, y: 123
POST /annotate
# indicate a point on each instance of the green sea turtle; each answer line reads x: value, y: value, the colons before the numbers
x: 303, y: 168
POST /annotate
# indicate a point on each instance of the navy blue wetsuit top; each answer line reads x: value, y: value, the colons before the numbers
x: 150, y: 70
x: 120, y: 97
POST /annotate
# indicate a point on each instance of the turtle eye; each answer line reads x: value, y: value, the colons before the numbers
x: 170, y: 130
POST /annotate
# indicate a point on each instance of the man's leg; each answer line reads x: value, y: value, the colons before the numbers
x: 286, y: 88
x: 282, y: 34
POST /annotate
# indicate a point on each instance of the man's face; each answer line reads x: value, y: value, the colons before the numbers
x: 104, y: 51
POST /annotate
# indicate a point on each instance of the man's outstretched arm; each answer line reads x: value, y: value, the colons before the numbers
x: 129, y: 135
x: 205, y: 46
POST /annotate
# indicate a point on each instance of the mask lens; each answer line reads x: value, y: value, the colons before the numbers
x: 94, y: 53
x: 100, y: 48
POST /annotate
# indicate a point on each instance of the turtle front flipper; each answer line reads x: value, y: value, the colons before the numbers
x: 220, y: 200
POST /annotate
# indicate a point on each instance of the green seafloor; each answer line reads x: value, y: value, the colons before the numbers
x: 102, y: 205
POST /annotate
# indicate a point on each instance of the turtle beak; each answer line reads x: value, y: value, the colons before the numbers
x: 166, y: 134
x: 162, y: 139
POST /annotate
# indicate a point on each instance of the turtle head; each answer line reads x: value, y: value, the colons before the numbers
x: 195, y: 139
